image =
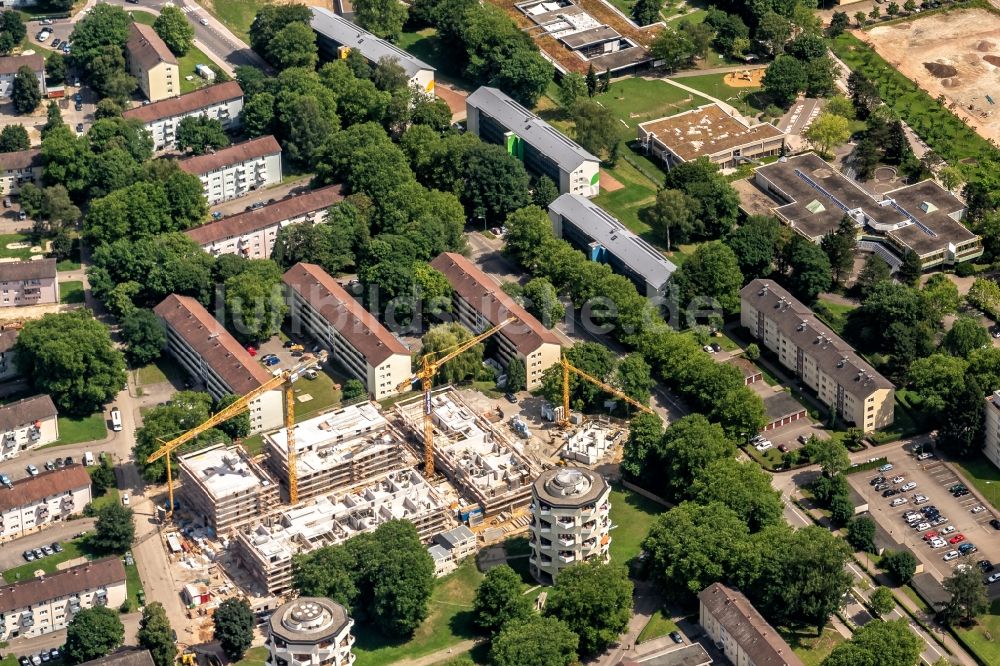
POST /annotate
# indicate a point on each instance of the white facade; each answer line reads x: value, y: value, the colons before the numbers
x: 8, y: 70
x: 238, y: 170
x: 38, y: 502
x: 40, y: 606
x: 991, y: 446
x: 570, y: 511
x: 27, y: 424
x: 310, y: 631
x: 222, y: 102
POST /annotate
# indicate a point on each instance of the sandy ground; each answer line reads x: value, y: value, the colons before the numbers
x: 956, y: 54
x: 609, y: 183
x: 750, y: 78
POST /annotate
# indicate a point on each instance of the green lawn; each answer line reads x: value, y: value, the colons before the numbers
x: 811, y: 649
x: 637, y: 100
x: 14, y: 253
x: 186, y: 63
x: 984, y: 476
x: 71, y: 550
x: 68, y: 265
x: 73, y: 430
x: 657, y: 627
x: 425, y: 45
x: 237, y: 15
x: 161, y: 370
x: 714, y: 85
x: 982, y: 638
x: 834, y: 314
x: 449, y: 622
x: 945, y: 133
x: 71, y: 292
x: 633, y: 515
x: 255, y: 656
x: 133, y: 585
x: 324, y: 395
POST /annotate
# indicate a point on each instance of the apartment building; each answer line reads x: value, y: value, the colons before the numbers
x: 8, y: 356
x: 545, y: 151
x: 26, y: 424
x: 251, y: 234
x: 450, y: 548
x: 237, y: 170
x: 812, y: 197
x: 600, y: 236
x: 740, y: 631
x: 45, y: 604
x: 224, y: 489
x: 842, y: 380
x: 336, y: 36
x: 321, y: 308
x: 38, y: 501
x: 151, y: 63
x: 310, y: 630
x: 991, y: 445
x: 266, y: 550
x: 222, y: 102
x: 570, y: 519
x: 336, y: 450
x: 9, y: 65
x: 709, y: 132
x: 213, y: 357
x: 480, y: 303
x: 28, y: 283
x: 18, y: 168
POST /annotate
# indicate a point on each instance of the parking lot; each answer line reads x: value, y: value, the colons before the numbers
x: 933, y: 479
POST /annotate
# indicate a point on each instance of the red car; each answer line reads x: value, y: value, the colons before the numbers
x: 252, y: 351
x: 930, y: 535
x: 958, y: 538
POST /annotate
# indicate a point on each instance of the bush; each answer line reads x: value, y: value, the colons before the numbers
x: 901, y: 565
x: 965, y: 269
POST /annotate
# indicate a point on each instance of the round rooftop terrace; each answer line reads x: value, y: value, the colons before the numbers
x: 569, y: 486
x: 308, y: 620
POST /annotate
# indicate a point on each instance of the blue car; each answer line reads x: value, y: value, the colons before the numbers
x: 271, y: 360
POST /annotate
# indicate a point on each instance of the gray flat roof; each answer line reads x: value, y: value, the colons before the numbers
x: 371, y: 47
x: 629, y: 248
x: 522, y: 122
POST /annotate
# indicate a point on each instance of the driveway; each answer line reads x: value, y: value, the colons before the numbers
x: 276, y: 193
x: 10, y: 553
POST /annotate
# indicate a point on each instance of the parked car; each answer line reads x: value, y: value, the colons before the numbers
x: 955, y: 488
x: 877, y: 480
x: 23, y: 661
x: 925, y: 456
x: 125, y: 499
x: 993, y: 578
x: 310, y: 374
x: 908, y: 486
x: 899, y: 501
x: 676, y: 637
x: 967, y: 548
x: 251, y: 350
x: 54, y: 653
x: 28, y: 556
x: 783, y: 448
x: 32, y: 470
x: 5, y: 480
x: 920, y: 527
x: 78, y: 106
x: 890, y: 492
x: 274, y: 360
x: 940, y: 520
x: 77, y: 97
x: 38, y: 553
x: 68, y: 460
x: 948, y: 530
x: 898, y: 479
x: 56, y: 547
x: 79, y: 128
x: 47, y: 550
x: 511, y: 398
x: 880, y: 487
x: 930, y: 535
x: 36, y: 660
x: 961, y: 493
x: 920, y: 499
x: 995, y: 524
x: 716, y: 347
x: 938, y: 543
x: 56, y: 43
x: 979, y: 508
x: 44, y: 655
x: 49, y: 465
x: 958, y: 538
x: 951, y: 555
x: 985, y: 566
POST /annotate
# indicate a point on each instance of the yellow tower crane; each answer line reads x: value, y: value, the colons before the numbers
x: 285, y: 379
x: 568, y: 367
x: 428, y: 368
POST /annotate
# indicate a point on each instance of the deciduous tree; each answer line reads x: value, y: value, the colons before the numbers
x: 144, y: 336
x: 672, y: 217
x: 572, y: 87
x: 25, y: 92
x: 114, y: 531
x: 173, y: 28
x: 92, y: 634
x: 900, y: 564
x: 596, y: 128
x: 861, y: 533
x: 712, y: 275
x: 461, y: 368
x: 538, y: 641
x: 234, y: 627
x: 890, y: 643
x: 594, y: 599
x: 968, y: 596
x: 255, y: 303
x: 200, y: 134
x: 827, y: 132
x: 14, y: 138
x: 839, y: 247
x: 156, y: 635
x: 383, y: 18
x: 882, y: 601
x: 741, y: 486
x: 784, y: 80
x: 499, y: 600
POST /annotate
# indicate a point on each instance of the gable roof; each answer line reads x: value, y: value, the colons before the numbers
x: 348, y: 34
x: 543, y: 137
x: 604, y: 228
x: 21, y: 159
x: 798, y: 323
x: 212, y: 342
x: 333, y: 303
x: 12, y: 271
x: 89, y: 576
x: 267, y: 216
x: 487, y: 298
x: 146, y: 48
x: 747, y: 627
x: 10, y: 64
x: 25, y: 411
x: 238, y: 153
x: 123, y: 657
x: 192, y: 102
x: 32, y: 489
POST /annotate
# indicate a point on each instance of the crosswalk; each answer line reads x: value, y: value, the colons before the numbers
x: 188, y: 10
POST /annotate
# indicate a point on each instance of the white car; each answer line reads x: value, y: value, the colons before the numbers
x: 938, y: 542
x: 908, y: 486
x: 993, y: 577
x: 977, y: 509
x: 925, y: 456
x: 764, y: 446
x: 947, y: 530
x: 920, y: 499
x: 898, y: 501
x: 125, y: 499
x: 923, y: 527
x: 203, y: 21
x: 951, y: 555
x: 898, y: 479
x: 885, y: 468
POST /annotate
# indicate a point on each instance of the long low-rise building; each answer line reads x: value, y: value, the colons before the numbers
x: 39, y: 501
x: 266, y: 550
x: 224, y: 489
x: 740, y: 631
x: 213, y: 357
x: 9, y: 66
x: 709, y: 132
x: 236, y: 171
x: 496, y: 118
x: 48, y: 603
x: 812, y: 197
x: 335, y: 36
x: 355, y: 339
x: 337, y: 450
x: 842, y: 380
x: 480, y: 303
x: 991, y: 445
x: 18, y: 168
x: 28, y: 283
x: 28, y: 423
x: 603, y: 238
x: 251, y: 234
x: 222, y: 102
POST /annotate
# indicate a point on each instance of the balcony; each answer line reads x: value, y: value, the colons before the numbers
x: 566, y: 521
x: 567, y: 540
x: 567, y: 556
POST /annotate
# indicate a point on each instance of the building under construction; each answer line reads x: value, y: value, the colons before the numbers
x: 224, y: 489
x: 481, y: 462
x: 337, y: 450
x: 266, y: 549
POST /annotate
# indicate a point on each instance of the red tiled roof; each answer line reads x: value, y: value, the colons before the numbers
x: 213, y: 343
x: 237, y: 154
x: 89, y: 576
x: 334, y: 304
x: 47, y: 484
x: 10, y: 64
x: 21, y: 159
x: 189, y: 103
x: 145, y: 47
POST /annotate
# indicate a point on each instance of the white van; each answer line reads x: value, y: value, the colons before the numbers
x: 88, y: 458
x: 116, y: 419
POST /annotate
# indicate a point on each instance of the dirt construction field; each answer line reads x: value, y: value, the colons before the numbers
x: 955, y: 54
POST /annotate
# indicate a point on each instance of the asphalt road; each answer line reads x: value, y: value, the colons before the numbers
x: 10, y: 553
